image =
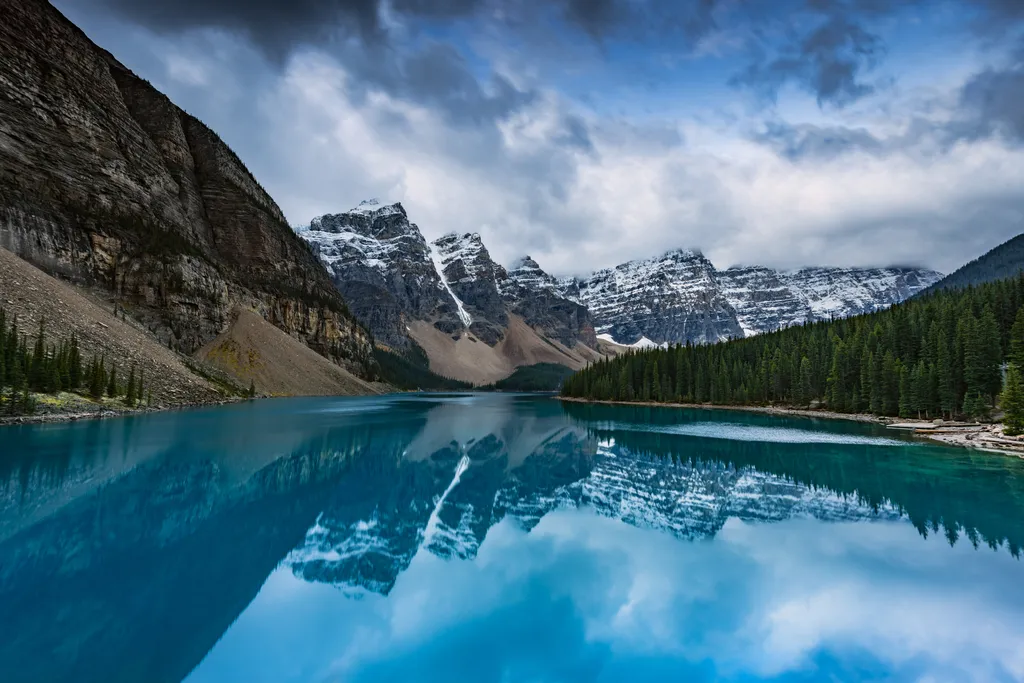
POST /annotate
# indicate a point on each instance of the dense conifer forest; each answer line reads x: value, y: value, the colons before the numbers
x: 941, y: 355
x: 39, y: 365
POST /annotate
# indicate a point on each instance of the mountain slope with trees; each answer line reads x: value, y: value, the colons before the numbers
x: 938, y: 355
x: 1005, y: 261
x: 75, y: 332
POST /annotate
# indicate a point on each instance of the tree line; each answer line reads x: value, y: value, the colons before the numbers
x: 39, y: 365
x: 939, y: 355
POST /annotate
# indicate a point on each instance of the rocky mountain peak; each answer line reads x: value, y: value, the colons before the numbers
x: 375, y: 208
x: 472, y: 276
x: 465, y: 258
x: 526, y: 278
x: 384, y: 267
x: 370, y: 219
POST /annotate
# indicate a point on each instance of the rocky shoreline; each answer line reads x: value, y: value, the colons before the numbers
x: 83, y: 412
x: 986, y: 437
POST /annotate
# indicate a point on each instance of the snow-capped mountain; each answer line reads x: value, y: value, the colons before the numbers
x: 682, y: 297
x: 410, y: 292
x: 766, y: 299
x: 384, y: 268
x: 473, y: 277
x: 674, y: 298
x: 535, y: 296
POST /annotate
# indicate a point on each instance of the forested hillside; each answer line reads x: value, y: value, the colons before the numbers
x: 1005, y: 261
x: 937, y: 355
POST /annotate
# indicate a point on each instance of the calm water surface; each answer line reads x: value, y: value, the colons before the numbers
x: 502, y: 539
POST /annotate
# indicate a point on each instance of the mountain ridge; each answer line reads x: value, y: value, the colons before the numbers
x: 998, y: 263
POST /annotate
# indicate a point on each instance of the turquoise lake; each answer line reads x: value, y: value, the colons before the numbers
x: 503, y: 538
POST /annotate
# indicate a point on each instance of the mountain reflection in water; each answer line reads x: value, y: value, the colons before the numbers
x: 128, y: 548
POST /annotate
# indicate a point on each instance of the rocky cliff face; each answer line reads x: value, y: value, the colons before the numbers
x: 384, y: 268
x: 674, y: 298
x: 471, y: 274
x: 681, y: 297
x: 103, y: 180
x: 533, y: 294
x: 391, y: 276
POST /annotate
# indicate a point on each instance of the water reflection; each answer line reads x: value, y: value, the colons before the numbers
x: 500, y: 538
x: 954, y: 492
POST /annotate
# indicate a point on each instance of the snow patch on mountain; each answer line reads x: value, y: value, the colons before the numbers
x: 467, y: 249
x: 766, y: 299
x: 374, y: 209
x: 645, y: 343
x: 527, y: 274
x: 675, y: 297
x: 438, y: 262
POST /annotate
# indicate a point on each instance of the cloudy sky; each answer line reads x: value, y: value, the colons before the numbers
x: 589, y: 132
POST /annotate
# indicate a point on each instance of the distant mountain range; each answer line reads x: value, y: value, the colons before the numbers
x: 449, y: 295
x: 1006, y: 260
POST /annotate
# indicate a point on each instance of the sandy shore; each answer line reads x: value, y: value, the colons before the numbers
x: 987, y: 437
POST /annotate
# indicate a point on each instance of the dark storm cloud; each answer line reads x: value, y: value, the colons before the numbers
x: 832, y: 53
x: 995, y: 98
x: 275, y: 25
x: 278, y: 25
x: 419, y: 68
x: 991, y: 103
x: 435, y: 75
x: 829, y: 62
x: 818, y: 142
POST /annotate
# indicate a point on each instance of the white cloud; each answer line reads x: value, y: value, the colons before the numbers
x: 739, y: 200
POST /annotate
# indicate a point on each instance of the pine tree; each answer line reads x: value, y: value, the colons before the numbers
x: 806, y: 382
x: 975, y: 406
x: 74, y: 364
x: 112, y: 382
x: 252, y: 389
x: 1012, y: 401
x: 96, y: 379
x: 907, y: 405
x: 131, y: 391
x: 1017, y: 339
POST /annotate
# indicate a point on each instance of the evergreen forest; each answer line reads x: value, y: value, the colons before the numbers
x: 39, y: 365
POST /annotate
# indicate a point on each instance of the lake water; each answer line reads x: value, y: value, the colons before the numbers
x: 501, y: 538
